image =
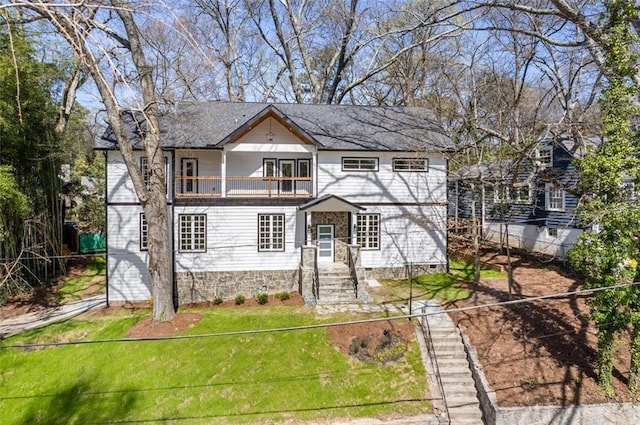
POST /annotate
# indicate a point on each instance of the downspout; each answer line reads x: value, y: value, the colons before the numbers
x: 106, y: 223
x: 172, y: 197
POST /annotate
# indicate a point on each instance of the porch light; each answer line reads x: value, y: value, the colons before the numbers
x: 270, y: 135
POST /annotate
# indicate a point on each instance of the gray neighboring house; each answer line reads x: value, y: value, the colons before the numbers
x: 265, y: 197
x: 542, y: 213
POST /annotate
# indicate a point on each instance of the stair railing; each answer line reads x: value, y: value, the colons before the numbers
x: 426, y: 331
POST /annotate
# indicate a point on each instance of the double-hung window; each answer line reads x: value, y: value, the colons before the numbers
x: 555, y: 198
x: 270, y: 232
x: 359, y: 164
x: 368, y: 231
x: 192, y: 233
x: 545, y: 157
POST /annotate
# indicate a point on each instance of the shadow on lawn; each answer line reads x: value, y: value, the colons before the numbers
x: 80, y: 403
x: 539, y: 326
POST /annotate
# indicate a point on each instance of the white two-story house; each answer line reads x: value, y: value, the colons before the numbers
x: 265, y: 197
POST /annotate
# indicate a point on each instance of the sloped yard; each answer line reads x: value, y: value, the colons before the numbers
x: 292, y: 376
x: 539, y: 353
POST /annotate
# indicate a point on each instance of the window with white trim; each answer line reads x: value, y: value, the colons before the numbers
x: 555, y: 198
x: 552, y: 232
x: 368, y: 231
x: 270, y: 232
x: 192, y: 235
x: 144, y: 232
x: 146, y: 171
x: 410, y: 164
x: 359, y: 164
x: 516, y: 195
x: 545, y: 157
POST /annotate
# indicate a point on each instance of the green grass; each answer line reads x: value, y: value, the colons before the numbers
x: 258, y: 378
x: 441, y: 286
x: 90, y: 282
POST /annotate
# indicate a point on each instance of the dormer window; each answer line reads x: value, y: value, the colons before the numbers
x: 545, y: 157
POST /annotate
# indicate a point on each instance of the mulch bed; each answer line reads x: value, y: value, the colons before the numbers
x: 540, y: 353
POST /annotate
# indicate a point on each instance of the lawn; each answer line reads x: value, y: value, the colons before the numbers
x: 84, y: 281
x: 251, y: 378
x: 441, y: 286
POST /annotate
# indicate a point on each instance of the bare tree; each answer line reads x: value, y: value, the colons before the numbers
x: 105, y: 36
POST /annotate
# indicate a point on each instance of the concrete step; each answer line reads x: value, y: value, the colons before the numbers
x: 465, y: 415
x: 457, y: 361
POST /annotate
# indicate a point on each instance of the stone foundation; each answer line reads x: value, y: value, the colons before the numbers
x: 196, y: 287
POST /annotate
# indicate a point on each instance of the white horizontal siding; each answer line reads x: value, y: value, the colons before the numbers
x: 232, y: 240
x: 384, y: 185
x: 408, y: 234
x: 209, y: 161
x: 119, y: 184
x: 129, y: 278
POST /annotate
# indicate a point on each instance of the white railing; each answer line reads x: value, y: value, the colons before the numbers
x: 245, y: 187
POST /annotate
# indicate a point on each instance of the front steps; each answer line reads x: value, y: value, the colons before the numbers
x: 459, y: 389
x: 335, y: 284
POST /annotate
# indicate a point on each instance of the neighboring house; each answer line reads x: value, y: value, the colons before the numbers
x: 540, y: 211
x: 283, y: 197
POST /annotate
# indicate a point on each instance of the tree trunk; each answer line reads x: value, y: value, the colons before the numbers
x: 155, y: 204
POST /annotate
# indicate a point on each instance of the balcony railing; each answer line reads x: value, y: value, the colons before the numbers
x: 245, y: 187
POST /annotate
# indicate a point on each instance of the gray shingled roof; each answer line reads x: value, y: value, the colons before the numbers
x: 333, y: 127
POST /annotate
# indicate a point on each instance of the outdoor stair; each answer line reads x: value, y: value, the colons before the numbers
x: 458, y: 386
x: 335, y: 284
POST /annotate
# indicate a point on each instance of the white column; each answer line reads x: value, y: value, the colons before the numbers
x: 223, y: 174
x: 314, y: 167
x: 354, y: 228
x: 308, y: 231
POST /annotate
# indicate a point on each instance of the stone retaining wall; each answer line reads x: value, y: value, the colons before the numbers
x: 196, y: 287
x: 601, y: 414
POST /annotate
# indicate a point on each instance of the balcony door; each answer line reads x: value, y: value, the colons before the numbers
x: 189, y: 172
x: 287, y: 172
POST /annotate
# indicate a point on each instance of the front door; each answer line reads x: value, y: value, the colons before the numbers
x: 286, y: 172
x: 325, y: 243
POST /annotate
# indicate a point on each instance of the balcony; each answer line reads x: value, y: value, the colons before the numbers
x: 244, y: 187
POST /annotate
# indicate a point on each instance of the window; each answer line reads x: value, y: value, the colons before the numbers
x: 269, y: 167
x: 144, y: 232
x: 517, y: 194
x: 270, y: 232
x: 368, y: 231
x: 410, y: 164
x: 545, y: 157
x: 193, y: 233
x: 304, y: 168
x: 555, y: 198
x: 146, y: 171
x: 552, y: 232
x: 359, y: 164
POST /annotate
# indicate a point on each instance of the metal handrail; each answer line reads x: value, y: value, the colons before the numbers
x: 424, y: 323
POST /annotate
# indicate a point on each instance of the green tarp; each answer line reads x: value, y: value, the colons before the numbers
x: 93, y: 243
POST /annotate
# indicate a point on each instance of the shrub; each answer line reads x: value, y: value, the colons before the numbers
x: 239, y: 299
x: 217, y: 301
x: 282, y: 296
x: 262, y: 298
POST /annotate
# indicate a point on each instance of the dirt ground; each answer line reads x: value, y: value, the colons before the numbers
x: 540, y: 353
